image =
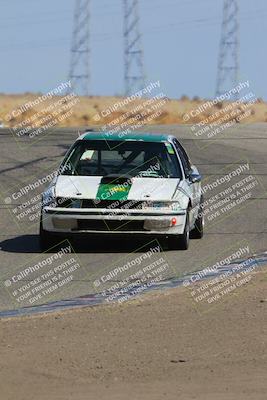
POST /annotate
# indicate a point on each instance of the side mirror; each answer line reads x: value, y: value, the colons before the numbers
x: 195, y: 177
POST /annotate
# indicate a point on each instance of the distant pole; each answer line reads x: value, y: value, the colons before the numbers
x: 79, y: 74
x: 134, y: 76
x: 228, y: 63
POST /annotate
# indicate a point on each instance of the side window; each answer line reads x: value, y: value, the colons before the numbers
x: 184, y: 158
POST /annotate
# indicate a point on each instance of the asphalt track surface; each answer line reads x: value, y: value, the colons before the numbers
x: 241, y: 226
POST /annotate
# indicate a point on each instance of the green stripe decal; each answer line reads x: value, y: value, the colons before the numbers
x: 110, y: 191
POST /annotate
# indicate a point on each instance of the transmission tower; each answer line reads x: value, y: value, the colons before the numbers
x: 228, y: 63
x: 79, y: 74
x: 134, y: 75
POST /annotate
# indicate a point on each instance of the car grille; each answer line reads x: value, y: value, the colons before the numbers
x: 101, y: 225
x: 108, y: 204
x: 112, y: 204
x: 63, y: 202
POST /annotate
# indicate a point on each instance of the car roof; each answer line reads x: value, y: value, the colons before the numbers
x: 122, y: 136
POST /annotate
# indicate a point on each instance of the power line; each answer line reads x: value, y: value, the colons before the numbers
x: 206, y: 22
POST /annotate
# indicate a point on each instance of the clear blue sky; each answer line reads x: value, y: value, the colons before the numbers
x: 181, y: 49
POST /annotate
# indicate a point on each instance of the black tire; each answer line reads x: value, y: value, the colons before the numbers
x: 198, y: 231
x: 46, y: 240
x: 180, y: 242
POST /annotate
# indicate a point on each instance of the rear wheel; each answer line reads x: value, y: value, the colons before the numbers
x: 180, y: 242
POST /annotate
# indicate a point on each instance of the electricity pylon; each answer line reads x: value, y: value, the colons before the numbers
x: 134, y: 75
x: 79, y: 74
x: 228, y: 63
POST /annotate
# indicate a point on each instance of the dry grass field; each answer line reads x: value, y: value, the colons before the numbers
x: 82, y: 111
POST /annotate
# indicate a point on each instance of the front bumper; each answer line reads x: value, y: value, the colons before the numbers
x: 75, y: 221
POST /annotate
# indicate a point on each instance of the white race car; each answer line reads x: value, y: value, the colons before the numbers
x: 124, y: 184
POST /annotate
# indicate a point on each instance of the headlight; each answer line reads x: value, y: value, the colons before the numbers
x: 163, y: 205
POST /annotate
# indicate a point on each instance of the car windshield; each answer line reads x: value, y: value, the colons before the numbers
x: 131, y: 158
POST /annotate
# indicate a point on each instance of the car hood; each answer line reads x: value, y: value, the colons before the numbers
x: 90, y: 187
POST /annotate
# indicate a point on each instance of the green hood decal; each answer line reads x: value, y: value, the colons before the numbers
x: 117, y: 189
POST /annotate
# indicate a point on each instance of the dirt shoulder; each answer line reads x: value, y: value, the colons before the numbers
x: 156, y: 347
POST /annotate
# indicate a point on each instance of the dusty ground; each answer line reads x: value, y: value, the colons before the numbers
x: 99, y: 111
x: 156, y: 347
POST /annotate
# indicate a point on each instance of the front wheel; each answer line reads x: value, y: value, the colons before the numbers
x: 48, y: 240
x: 45, y: 239
x: 181, y: 242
